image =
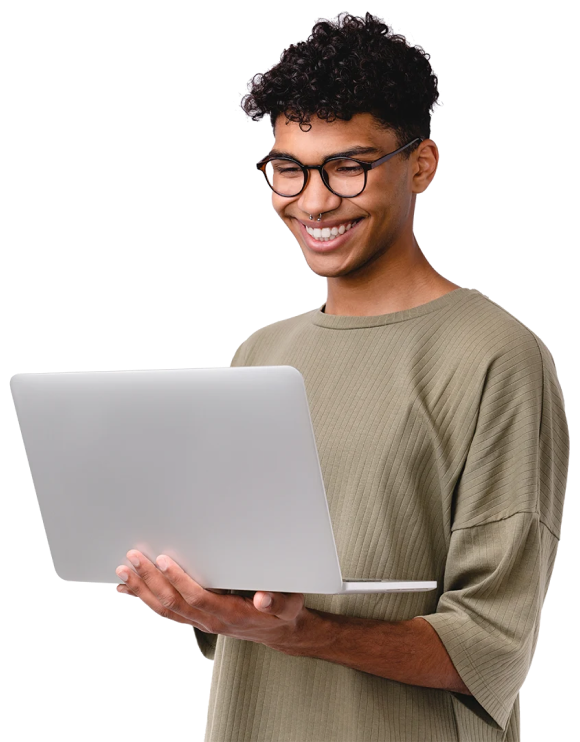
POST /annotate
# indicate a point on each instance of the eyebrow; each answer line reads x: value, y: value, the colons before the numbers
x: 351, y: 152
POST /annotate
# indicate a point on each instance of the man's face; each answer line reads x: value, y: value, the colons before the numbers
x: 386, y: 205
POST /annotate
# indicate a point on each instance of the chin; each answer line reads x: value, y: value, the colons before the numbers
x: 327, y: 272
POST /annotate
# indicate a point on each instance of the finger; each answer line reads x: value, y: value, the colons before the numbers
x: 123, y: 589
x: 285, y: 606
x: 221, y: 611
x: 158, y: 585
x: 138, y: 587
x: 150, y: 600
x: 263, y: 601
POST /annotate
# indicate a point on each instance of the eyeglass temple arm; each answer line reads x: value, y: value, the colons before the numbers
x: 392, y: 154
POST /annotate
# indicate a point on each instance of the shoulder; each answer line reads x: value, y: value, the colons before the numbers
x: 278, y: 333
x: 502, y: 342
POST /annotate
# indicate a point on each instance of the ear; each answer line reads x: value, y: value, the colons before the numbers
x: 424, y: 162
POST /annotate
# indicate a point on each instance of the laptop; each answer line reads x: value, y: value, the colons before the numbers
x: 216, y: 467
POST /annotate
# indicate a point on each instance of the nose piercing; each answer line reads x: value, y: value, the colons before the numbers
x: 319, y: 217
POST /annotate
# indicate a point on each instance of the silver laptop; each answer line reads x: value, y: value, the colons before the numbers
x: 216, y: 467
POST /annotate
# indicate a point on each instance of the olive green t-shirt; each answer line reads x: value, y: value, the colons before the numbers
x: 444, y: 447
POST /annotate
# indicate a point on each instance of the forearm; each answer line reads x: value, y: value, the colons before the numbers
x: 407, y: 651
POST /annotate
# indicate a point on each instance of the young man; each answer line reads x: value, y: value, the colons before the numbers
x: 440, y: 426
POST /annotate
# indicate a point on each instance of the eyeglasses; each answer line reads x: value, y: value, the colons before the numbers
x: 344, y: 176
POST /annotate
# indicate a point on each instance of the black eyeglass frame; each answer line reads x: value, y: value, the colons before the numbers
x: 305, y: 168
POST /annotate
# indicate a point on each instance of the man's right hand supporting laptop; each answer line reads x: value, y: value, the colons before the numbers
x: 407, y: 651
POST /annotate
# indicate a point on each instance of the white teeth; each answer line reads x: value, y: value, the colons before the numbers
x: 326, y: 233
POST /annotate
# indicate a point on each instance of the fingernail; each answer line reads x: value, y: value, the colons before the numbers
x: 134, y: 560
x: 161, y: 562
x: 266, y: 601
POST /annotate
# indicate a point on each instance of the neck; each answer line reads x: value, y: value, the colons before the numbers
x: 400, y: 278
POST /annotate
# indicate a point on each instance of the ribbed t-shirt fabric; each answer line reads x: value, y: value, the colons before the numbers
x: 444, y: 447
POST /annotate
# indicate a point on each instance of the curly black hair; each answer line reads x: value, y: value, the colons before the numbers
x: 352, y: 66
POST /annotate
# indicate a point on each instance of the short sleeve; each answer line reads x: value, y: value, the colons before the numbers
x: 206, y: 642
x: 488, y: 616
x: 506, y: 523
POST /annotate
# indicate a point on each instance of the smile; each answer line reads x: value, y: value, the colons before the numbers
x: 316, y: 237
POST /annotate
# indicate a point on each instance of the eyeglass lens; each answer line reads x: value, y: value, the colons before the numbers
x: 345, y: 177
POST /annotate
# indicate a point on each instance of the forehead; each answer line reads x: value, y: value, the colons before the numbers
x: 327, y: 138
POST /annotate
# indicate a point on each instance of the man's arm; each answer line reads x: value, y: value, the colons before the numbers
x: 406, y: 651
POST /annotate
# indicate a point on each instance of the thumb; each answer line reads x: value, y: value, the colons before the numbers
x: 263, y: 601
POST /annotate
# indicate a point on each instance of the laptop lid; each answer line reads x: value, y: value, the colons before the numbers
x: 216, y: 467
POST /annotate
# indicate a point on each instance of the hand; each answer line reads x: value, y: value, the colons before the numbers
x: 173, y: 594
